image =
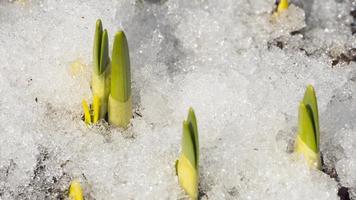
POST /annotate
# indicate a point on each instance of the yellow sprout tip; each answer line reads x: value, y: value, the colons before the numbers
x: 87, y: 117
x: 283, y: 5
x: 75, y: 191
x: 96, y: 108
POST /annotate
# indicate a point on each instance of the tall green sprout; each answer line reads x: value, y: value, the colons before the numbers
x: 308, y: 138
x: 187, y: 166
x: 120, y: 103
x: 101, y: 70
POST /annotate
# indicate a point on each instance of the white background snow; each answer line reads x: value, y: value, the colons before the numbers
x: 241, y: 69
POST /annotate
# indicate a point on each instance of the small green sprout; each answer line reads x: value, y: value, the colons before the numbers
x: 101, y: 68
x: 87, y: 116
x: 187, y: 166
x: 308, y: 138
x: 91, y: 116
x: 120, y: 103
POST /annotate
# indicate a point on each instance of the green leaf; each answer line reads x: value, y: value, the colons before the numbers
x: 306, y: 127
x: 97, y: 46
x: 188, y: 146
x: 190, y: 143
x: 104, y: 52
x: 310, y: 102
x: 194, y: 131
x: 120, y: 69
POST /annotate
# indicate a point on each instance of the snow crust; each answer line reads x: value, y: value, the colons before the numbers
x: 242, y: 69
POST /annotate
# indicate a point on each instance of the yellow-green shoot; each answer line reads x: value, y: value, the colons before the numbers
x: 308, y: 139
x: 91, y: 115
x: 101, y: 68
x: 75, y: 191
x: 187, y: 166
x: 282, y: 5
x: 120, y: 103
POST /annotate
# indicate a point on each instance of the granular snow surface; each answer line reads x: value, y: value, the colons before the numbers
x: 242, y: 69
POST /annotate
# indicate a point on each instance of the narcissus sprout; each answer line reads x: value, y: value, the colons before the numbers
x: 187, y: 166
x: 120, y: 103
x: 75, y: 191
x: 282, y: 5
x: 91, y: 117
x: 101, y: 70
x: 308, y: 138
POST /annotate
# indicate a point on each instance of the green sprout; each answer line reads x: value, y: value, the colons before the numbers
x: 120, y: 103
x: 101, y: 68
x: 187, y: 166
x: 308, y: 138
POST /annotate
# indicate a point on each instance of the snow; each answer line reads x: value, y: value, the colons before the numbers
x: 234, y: 62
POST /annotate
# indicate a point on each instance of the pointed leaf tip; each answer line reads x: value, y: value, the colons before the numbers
x: 120, y: 34
x: 119, y: 39
x: 310, y: 89
x: 104, y: 52
x: 99, y: 25
x: 191, y: 111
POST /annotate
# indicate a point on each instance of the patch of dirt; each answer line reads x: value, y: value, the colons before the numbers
x: 344, y: 58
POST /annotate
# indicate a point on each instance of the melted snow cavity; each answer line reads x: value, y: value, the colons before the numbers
x: 242, y: 69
